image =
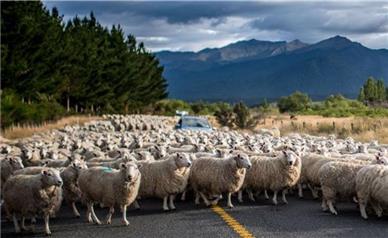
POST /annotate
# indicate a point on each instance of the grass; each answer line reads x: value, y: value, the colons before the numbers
x: 23, y: 131
x: 362, y: 129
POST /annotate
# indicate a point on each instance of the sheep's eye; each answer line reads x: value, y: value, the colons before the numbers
x: 49, y: 174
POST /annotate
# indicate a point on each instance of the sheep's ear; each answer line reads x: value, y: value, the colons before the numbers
x: 44, y: 172
x: 74, y: 165
x: 377, y: 157
x: 178, y: 155
x: 139, y: 166
x: 284, y: 152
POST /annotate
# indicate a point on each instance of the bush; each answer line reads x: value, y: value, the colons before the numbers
x: 243, y: 118
x: 168, y: 107
x: 14, y: 111
x: 225, y: 115
x: 296, y: 102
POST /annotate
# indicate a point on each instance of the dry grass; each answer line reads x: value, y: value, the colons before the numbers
x: 16, y: 132
x: 360, y: 128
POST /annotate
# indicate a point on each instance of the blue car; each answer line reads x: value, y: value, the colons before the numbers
x: 193, y: 123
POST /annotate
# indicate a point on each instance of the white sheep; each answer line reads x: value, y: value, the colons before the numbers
x: 165, y: 178
x: 32, y: 195
x: 214, y: 176
x: 276, y: 174
x: 109, y: 187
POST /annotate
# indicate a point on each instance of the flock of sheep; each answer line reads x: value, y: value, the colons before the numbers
x: 120, y: 160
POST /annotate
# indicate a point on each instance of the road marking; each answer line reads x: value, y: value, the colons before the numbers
x: 232, y: 223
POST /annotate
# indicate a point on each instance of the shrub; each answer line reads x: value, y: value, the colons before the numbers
x: 294, y: 103
x: 243, y: 118
x: 224, y: 114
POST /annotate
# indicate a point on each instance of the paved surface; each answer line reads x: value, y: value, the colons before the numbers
x: 300, y: 218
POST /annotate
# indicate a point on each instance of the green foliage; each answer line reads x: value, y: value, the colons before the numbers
x: 168, y: 107
x: 373, y: 91
x: 339, y: 106
x: 295, y: 102
x: 79, y: 64
x: 225, y: 115
x: 14, y: 111
x: 243, y: 118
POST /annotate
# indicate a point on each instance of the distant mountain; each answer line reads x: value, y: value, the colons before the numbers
x: 252, y: 70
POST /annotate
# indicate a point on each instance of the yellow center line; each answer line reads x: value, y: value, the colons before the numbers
x: 232, y: 223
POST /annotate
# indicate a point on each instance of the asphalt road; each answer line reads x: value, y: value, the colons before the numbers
x: 300, y: 218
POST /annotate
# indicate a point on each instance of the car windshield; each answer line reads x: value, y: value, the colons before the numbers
x: 194, y: 122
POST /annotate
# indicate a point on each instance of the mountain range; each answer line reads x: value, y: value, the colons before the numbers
x: 253, y: 70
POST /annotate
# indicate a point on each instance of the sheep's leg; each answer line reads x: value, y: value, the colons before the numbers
x: 300, y: 190
x: 239, y: 196
x: 75, y: 210
x: 266, y: 194
x: 196, y: 201
x: 331, y: 207
x: 275, y: 198
x: 284, y: 196
x: 378, y: 209
x: 215, y: 201
x: 109, y: 217
x: 250, y: 195
x: 46, y: 224
x: 94, y: 216
x: 363, y: 211
x: 324, y: 205
x: 313, y: 191
x: 136, y: 204
x: 125, y: 221
x: 22, y: 224
x: 229, y: 204
x: 165, y: 207
x: 207, y: 203
x: 355, y: 200
x: 16, y: 223
x: 172, y: 206
x: 89, y: 215
x: 183, y: 197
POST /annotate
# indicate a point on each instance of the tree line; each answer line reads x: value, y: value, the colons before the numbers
x: 74, y: 66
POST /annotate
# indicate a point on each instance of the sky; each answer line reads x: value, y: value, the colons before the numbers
x: 192, y: 26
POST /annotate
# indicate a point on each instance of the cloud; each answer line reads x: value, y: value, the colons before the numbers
x: 197, y: 25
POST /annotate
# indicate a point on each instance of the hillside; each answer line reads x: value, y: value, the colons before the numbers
x: 253, y: 70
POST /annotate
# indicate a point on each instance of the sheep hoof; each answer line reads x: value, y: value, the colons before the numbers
x: 230, y: 206
x: 77, y: 216
x: 166, y: 209
x: 108, y: 222
x: 126, y: 223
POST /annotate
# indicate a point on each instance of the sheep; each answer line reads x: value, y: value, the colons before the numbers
x: 109, y: 187
x: 286, y: 167
x: 31, y: 195
x: 165, y: 178
x: 212, y: 176
x: 338, y: 178
x: 365, y: 179
x: 8, y: 166
x: 71, y: 191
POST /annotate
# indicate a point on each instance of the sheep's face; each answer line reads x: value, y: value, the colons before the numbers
x: 291, y: 157
x: 16, y: 163
x: 182, y: 160
x: 51, y: 177
x: 162, y: 151
x: 381, y: 159
x: 79, y: 164
x: 130, y: 171
x: 242, y: 161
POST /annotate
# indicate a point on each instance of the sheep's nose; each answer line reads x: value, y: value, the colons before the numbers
x: 129, y: 177
x: 249, y: 166
x: 59, y: 183
x: 189, y: 164
x: 290, y: 162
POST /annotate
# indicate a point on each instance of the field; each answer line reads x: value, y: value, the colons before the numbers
x: 22, y: 131
x: 362, y: 129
